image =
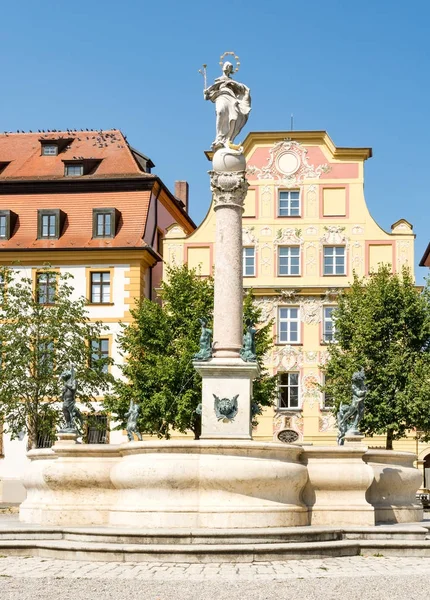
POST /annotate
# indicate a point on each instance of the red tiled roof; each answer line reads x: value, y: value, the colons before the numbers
x: 23, y: 153
x: 31, y: 181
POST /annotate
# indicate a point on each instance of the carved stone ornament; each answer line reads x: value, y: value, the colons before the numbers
x: 311, y: 311
x: 229, y: 188
x: 288, y: 436
x: 288, y: 163
x: 225, y: 408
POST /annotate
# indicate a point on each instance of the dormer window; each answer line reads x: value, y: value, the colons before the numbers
x: 50, y: 223
x: 75, y: 170
x: 7, y: 224
x: 49, y: 149
x: 105, y: 222
x: 81, y: 166
x: 51, y: 146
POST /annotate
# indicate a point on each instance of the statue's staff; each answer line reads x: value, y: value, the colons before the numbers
x: 202, y: 72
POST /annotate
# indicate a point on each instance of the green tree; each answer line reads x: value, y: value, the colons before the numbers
x: 158, y: 347
x: 43, y: 331
x: 382, y: 324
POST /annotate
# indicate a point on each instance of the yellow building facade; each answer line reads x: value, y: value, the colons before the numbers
x: 306, y: 229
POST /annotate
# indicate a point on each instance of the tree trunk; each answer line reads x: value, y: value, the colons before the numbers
x: 389, y: 443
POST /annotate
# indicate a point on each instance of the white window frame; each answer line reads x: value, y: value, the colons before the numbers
x: 289, y: 257
x: 289, y: 386
x: 289, y: 320
x: 244, y: 257
x: 288, y: 208
x: 326, y: 319
x: 334, y: 256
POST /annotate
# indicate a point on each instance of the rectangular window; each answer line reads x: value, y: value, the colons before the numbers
x: 3, y: 226
x: 46, y: 287
x: 249, y: 262
x: 104, y: 224
x: 288, y: 387
x: 49, y: 223
x: 334, y: 260
x: 328, y: 324
x: 49, y: 226
x: 49, y: 149
x: 289, y: 260
x: 100, y: 287
x: 289, y: 203
x: 73, y: 170
x: 288, y: 325
x: 100, y: 351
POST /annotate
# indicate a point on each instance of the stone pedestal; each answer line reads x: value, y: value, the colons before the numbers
x: 226, y: 378
x: 66, y: 438
x: 336, y: 490
x: 355, y: 439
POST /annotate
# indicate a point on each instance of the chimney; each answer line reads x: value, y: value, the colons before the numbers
x: 181, y: 193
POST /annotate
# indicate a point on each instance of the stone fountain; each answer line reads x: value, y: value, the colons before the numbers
x: 225, y: 480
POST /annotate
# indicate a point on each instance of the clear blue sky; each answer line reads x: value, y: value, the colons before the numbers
x: 359, y: 70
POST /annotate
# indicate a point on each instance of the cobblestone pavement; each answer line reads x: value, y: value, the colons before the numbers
x: 355, y: 566
x: 351, y: 578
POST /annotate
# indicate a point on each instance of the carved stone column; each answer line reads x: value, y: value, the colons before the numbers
x: 229, y: 191
x: 227, y: 379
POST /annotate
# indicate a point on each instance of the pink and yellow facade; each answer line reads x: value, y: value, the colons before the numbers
x: 306, y: 229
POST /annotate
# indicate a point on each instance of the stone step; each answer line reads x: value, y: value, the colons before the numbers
x: 395, y: 547
x: 95, y: 551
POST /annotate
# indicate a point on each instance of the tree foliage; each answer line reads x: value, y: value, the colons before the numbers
x: 158, y: 347
x: 383, y: 325
x: 43, y: 331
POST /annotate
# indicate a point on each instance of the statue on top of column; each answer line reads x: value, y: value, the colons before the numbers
x: 232, y: 104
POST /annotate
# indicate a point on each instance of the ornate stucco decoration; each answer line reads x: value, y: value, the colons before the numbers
x: 267, y: 306
x: 292, y: 421
x: 225, y: 408
x: 228, y: 188
x: 287, y: 236
x: 311, y: 388
x: 288, y: 163
x: 358, y: 230
x: 334, y: 234
x: 248, y: 236
x: 287, y: 357
x: 312, y: 230
x: 266, y: 231
x: 310, y: 310
x: 311, y: 357
x: 288, y: 296
x: 327, y: 422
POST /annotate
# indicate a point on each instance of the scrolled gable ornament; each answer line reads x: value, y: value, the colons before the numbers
x: 226, y: 408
